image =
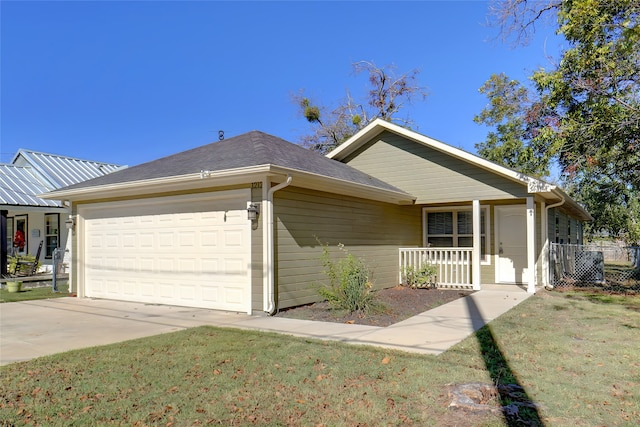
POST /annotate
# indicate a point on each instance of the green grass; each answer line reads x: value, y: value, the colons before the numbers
x: 577, y: 359
x: 34, y: 293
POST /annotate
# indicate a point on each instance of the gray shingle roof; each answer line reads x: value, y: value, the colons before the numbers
x: 250, y: 149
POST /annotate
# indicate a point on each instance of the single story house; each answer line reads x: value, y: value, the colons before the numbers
x: 28, y: 220
x: 239, y: 224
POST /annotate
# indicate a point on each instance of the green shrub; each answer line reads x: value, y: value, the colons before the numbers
x: 349, y: 287
x: 423, y: 277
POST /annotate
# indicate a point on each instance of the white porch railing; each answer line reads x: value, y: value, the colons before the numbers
x: 453, y: 264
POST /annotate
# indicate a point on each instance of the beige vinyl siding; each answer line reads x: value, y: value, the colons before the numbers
x: 568, y: 229
x: 487, y: 273
x: 368, y: 229
x: 428, y: 174
x: 560, y: 223
x: 257, y: 275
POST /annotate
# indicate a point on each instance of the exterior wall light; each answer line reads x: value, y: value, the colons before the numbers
x: 252, y: 211
x: 70, y: 223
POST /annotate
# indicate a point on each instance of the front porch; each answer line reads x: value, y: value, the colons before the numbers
x: 477, y: 242
x: 452, y: 265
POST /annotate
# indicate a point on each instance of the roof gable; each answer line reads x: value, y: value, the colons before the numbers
x: 378, y: 126
x: 430, y: 175
x: 530, y: 184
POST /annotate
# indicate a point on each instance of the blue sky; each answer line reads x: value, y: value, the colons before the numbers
x: 129, y: 82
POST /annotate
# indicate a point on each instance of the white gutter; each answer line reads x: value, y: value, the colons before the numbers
x: 268, y: 244
x: 545, y: 279
x: 555, y: 205
x: 164, y: 183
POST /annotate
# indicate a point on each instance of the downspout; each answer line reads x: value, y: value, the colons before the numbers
x: 270, y: 249
x: 546, y: 239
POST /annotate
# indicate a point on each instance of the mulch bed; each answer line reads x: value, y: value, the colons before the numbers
x: 400, y: 302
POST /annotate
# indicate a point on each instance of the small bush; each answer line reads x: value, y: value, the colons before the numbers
x: 423, y: 277
x: 349, y: 287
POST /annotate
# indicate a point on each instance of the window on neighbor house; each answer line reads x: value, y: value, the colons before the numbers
x: 454, y: 229
x: 10, y: 235
x: 52, y: 233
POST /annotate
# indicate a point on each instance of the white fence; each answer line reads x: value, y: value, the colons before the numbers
x: 453, y: 265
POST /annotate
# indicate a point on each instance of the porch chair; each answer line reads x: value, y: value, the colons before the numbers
x: 20, y: 262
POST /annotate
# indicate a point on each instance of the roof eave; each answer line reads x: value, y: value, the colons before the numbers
x: 230, y: 177
x: 534, y: 185
x: 340, y: 186
x: 160, y: 185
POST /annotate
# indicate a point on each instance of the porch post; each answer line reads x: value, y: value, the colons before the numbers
x: 3, y: 242
x: 477, y: 243
x: 544, y: 225
x: 531, y: 246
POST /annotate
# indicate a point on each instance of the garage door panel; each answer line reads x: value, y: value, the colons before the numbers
x: 209, y: 237
x: 129, y: 287
x: 210, y: 294
x: 147, y: 240
x: 113, y: 287
x: 147, y: 290
x: 233, y: 238
x: 188, y: 292
x: 164, y: 253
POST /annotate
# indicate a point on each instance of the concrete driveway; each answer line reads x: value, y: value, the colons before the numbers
x: 37, y: 328
x: 32, y: 329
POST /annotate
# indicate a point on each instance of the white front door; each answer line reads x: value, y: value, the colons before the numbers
x: 511, y: 242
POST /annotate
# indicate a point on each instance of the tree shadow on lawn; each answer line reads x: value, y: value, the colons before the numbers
x: 516, y: 413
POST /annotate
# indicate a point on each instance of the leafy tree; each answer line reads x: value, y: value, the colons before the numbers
x: 388, y: 94
x: 518, y: 141
x: 586, y: 111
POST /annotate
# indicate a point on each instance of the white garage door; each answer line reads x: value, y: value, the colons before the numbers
x: 185, y: 250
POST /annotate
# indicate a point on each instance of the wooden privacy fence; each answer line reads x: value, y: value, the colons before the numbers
x: 453, y: 265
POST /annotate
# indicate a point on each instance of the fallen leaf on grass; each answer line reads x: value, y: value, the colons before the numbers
x: 386, y: 361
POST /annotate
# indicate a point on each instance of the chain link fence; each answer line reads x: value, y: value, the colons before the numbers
x: 608, y: 268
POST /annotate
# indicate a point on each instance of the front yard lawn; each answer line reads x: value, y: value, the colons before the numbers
x: 578, y: 360
x: 32, y: 293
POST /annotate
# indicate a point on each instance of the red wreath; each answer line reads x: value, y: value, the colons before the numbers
x: 18, y: 240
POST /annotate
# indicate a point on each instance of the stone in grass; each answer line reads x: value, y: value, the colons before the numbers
x: 485, y: 398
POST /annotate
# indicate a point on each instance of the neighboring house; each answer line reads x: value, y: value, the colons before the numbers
x: 238, y: 224
x: 31, y: 218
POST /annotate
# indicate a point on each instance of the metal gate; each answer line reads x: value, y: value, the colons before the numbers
x: 594, y: 266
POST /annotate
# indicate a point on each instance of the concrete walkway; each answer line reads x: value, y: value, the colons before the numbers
x: 32, y: 329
